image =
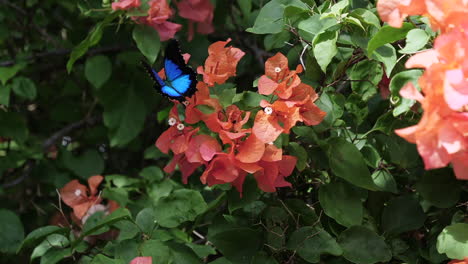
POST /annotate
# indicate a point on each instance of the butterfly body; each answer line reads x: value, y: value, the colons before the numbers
x: 181, y: 80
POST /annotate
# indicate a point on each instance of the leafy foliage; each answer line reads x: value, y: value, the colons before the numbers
x: 74, y: 104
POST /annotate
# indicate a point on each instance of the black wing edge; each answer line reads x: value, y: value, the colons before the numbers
x: 174, y: 54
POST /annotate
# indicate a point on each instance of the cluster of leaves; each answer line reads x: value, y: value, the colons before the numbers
x: 359, y: 193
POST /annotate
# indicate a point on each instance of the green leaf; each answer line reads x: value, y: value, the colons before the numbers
x: 416, y: 39
x: 250, y: 194
x: 348, y: 163
x: 310, y: 242
x: 40, y: 234
x: 117, y: 215
x: 11, y: 231
x: 101, y: 259
x: 5, y: 95
x: 387, y: 34
x: 270, y: 19
x: 55, y: 255
x: 54, y: 240
x: 147, y: 40
x: 366, y: 17
x: 145, y: 220
x: 397, y: 82
x: 85, y: 165
x: 366, y: 75
x: 453, y: 241
x: 403, y: 213
x: 6, y: 73
x: 124, y: 117
x: 341, y: 202
x: 300, y: 153
x: 13, y: 125
x: 385, y: 181
x: 387, y: 55
x: 315, y: 25
x: 92, y: 39
x: 325, y: 48
x: 439, y: 188
x: 157, y: 250
x: 152, y: 173
x: 181, y: 206
x: 98, y: 70
x: 202, y: 251
x: 238, y: 245
x: 24, y: 88
x: 362, y: 246
x: 276, y: 41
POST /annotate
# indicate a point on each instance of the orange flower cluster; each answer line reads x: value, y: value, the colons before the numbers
x: 85, y: 201
x: 442, y: 134
x: 239, y: 150
x: 196, y: 11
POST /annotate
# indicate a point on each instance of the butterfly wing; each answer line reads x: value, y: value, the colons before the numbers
x: 158, y: 82
x: 181, y: 78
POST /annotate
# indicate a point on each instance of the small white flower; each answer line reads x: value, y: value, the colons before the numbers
x: 277, y: 69
x: 268, y: 110
x: 77, y: 192
x: 186, y: 103
x: 172, y: 121
x: 180, y: 127
x: 270, y: 143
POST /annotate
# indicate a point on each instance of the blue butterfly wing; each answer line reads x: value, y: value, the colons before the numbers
x: 181, y: 79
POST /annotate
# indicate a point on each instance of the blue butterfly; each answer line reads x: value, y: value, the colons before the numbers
x: 181, y: 80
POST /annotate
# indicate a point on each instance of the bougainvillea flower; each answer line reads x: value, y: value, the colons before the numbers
x: 200, y: 11
x: 185, y: 167
x: 278, y: 79
x: 202, y: 148
x: 250, y: 150
x: 142, y: 260
x: 225, y: 168
x: 125, y: 4
x: 158, y: 14
x: 79, y: 197
x: 273, y: 173
x: 266, y: 126
x: 221, y: 63
x: 272, y: 153
x: 177, y: 136
x: 443, y: 14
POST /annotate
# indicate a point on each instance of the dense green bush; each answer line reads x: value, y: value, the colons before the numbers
x: 76, y: 103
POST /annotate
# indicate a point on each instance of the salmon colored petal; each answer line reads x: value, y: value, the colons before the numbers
x: 81, y: 209
x: 187, y: 168
x: 251, y: 150
x: 460, y: 166
x: 93, y: 183
x: 179, y: 144
x: 272, y: 153
x: 266, y: 85
x: 434, y: 156
x: 389, y: 12
x: 164, y: 141
x: 411, y: 92
x: 209, y: 148
x: 451, y: 139
x: 239, y: 182
x: 423, y: 59
x: 266, y: 178
x: 287, y: 165
x: 312, y: 115
x: 74, y: 193
x: 266, y: 127
x: 125, y: 4
x: 142, y: 260
x: 276, y: 67
x: 248, y: 167
x: 170, y: 167
x: 408, y: 133
x: 456, y: 89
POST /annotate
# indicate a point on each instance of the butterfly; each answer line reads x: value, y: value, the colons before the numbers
x: 181, y: 80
